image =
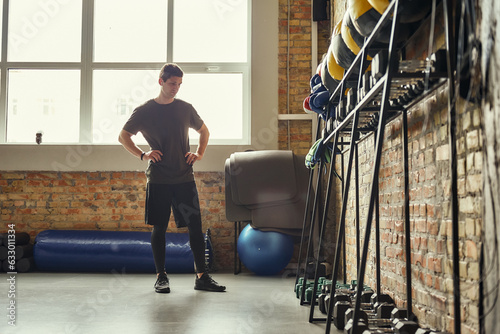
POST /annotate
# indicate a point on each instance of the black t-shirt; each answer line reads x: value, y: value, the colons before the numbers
x: 166, y: 128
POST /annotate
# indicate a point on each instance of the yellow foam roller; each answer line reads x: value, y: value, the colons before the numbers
x: 334, y: 69
x: 409, y: 10
x: 363, y: 16
x: 379, y: 5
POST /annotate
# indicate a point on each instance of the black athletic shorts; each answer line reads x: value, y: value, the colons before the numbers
x: 182, y: 198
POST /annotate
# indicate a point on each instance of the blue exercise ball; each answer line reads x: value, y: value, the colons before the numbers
x: 264, y: 253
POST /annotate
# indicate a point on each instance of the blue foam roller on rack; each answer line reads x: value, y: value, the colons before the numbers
x: 105, y: 251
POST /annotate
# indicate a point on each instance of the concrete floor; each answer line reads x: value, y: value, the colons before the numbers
x: 119, y: 303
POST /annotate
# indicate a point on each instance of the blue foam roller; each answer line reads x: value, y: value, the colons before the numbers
x: 105, y: 251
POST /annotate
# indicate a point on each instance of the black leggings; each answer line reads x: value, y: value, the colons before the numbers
x: 183, y: 198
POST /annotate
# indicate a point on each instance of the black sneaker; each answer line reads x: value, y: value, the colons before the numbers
x: 162, y: 285
x: 206, y: 282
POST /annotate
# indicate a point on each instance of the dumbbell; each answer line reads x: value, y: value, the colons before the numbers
x: 298, y: 286
x: 339, y: 310
x: 397, y: 313
x: 341, y: 307
x: 377, y: 299
x: 348, y: 328
x: 437, y: 62
x: 381, y: 298
x: 365, y: 296
x: 404, y: 99
x: 418, y: 87
x: 309, y: 294
x: 409, y: 92
x: 322, y: 302
x: 324, y: 297
x: 324, y: 281
x: 371, y: 320
x: 402, y: 314
x: 379, y: 65
x: 429, y: 331
x: 381, y: 311
x: 340, y: 110
x: 394, y: 102
x: 344, y: 287
x: 406, y: 327
x: 366, y: 84
x: 352, y: 100
x: 309, y: 291
x: 338, y: 297
x: 299, y: 282
x: 349, y: 314
x: 412, y: 66
x: 399, y: 327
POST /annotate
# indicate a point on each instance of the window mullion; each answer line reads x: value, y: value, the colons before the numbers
x: 86, y: 72
x: 3, y: 74
x: 170, y: 30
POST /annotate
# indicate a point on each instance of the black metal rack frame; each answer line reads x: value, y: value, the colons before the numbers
x: 352, y: 120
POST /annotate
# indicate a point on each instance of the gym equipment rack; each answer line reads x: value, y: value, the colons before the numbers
x: 356, y: 125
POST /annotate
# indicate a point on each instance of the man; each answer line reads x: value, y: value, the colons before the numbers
x: 164, y: 122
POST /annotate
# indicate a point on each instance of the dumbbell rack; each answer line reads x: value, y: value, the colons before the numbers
x: 309, y: 218
x: 350, y: 126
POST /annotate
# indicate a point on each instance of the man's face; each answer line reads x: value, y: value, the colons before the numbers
x: 171, y: 86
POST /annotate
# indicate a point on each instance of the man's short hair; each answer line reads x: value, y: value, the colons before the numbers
x: 170, y: 70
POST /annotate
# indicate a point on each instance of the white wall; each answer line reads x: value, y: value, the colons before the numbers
x: 264, y: 113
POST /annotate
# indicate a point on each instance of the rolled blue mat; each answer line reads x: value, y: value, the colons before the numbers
x: 105, y: 251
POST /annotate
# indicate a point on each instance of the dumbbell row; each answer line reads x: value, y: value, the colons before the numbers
x: 436, y: 64
x: 407, y: 88
x: 322, y: 282
x: 369, y: 299
x: 384, y: 317
x: 402, y: 93
x: 399, y: 326
x: 323, y: 287
x: 378, y: 313
x: 403, y: 90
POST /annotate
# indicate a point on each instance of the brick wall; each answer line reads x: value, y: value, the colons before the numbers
x: 104, y: 201
x: 294, y: 72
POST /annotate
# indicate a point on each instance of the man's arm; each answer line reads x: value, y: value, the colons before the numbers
x: 202, y: 146
x: 125, y: 138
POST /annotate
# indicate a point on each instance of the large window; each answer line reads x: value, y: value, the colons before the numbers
x: 75, y: 70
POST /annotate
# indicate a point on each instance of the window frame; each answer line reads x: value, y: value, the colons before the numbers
x: 87, y: 66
